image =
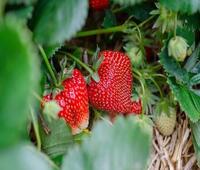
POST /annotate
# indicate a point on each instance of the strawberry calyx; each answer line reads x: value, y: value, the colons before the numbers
x: 96, y: 62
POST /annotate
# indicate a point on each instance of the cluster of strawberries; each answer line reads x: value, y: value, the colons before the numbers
x: 112, y: 93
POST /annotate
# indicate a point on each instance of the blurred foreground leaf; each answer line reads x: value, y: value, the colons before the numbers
x: 58, y: 20
x: 123, y: 146
x: 23, y: 13
x: 18, y: 77
x: 23, y: 157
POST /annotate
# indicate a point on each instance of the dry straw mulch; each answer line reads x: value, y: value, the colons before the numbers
x: 174, y: 152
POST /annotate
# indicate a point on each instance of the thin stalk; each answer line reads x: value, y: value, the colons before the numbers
x: 106, y: 120
x: 147, y: 20
x: 159, y: 75
x: 102, y: 118
x: 143, y: 93
x: 137, y: 72
x: 48, y: 65
x: 158, y: 87
x: 119, y: 28
x: 37, y: 96
x: 118, y: 9
x: 54, y: 166
x: 80, y: 63
x: 36, y: 129
x: 137, y: 77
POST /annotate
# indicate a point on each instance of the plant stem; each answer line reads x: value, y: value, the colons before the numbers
x: 37, y: 96
x: 145, y: 21
x: 137, y: 72
x: 81, y: 63
x: 159, y: 75
x: 102, y: 118
x: 36, y: 128
x: 119, y: 28
x: 119, y: 9
x: 142, y: 83
x: 48, y: 65
x: 158, y: 87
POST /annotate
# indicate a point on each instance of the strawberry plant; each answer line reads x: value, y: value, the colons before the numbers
x: 99, y: 84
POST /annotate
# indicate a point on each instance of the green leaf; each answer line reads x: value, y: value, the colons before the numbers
x: 51, y: 50
x: 186, y: 33
x: 192, y: 61
x: 188, y: 100
x: 58, y: 141
x: 19, y: 70
x: 171, y: 66
x: 23, y: 157
x: 22, y: 14
x: 109, y: 19
x: 195, y: 80
x: 191, y: 21
x: 58, y: 20
x: 123, y: 146
x: 128, y: 2
x: 183, y: 6
x: 141, y: 11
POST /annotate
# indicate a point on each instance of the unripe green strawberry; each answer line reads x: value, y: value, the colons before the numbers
x: 165, y: 122
x: 165, y: 20
x: 177, y: 48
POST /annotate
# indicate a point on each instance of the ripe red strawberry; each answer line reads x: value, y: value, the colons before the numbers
x: 113, y: 92
x: 99, y: 4
x: 73, y: 100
